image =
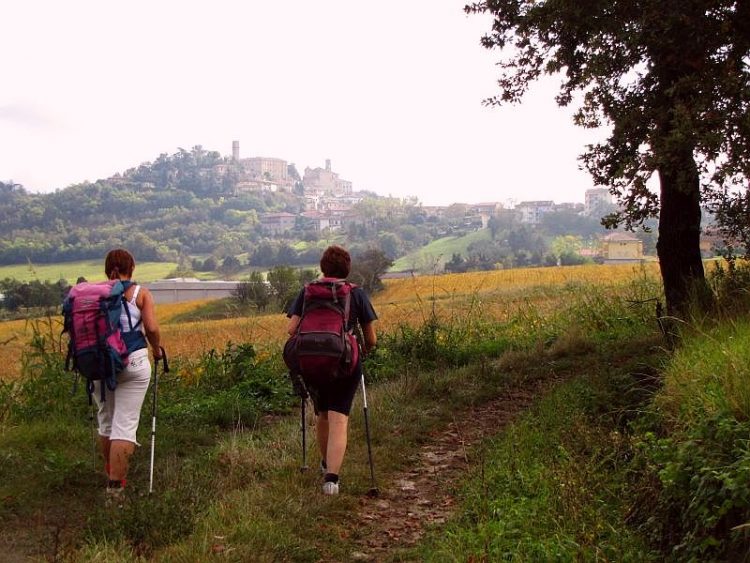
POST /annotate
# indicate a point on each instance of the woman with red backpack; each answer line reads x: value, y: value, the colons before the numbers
x: 333, y: 396
x: 120, y: 411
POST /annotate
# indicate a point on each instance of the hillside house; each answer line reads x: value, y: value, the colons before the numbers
x: 487, y: 208
x: 259, y: 167
x: 531, y: 212
x: 324, y: 181
x: 247, y: 186
x: 278, y: 223
x: 322, y: 221
x: 621, y: 247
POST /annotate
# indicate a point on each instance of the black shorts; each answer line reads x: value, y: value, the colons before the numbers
x: 337, y: 395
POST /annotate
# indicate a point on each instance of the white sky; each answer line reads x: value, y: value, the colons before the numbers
x: 390, y: 91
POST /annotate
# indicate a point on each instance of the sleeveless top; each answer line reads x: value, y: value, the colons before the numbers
x: 135, y: 313
x: 136, y: 339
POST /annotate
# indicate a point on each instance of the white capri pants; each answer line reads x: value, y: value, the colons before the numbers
x: 120, y: 412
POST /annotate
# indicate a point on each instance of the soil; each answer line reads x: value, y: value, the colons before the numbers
x: 412, y: 501
x: 409, y: 503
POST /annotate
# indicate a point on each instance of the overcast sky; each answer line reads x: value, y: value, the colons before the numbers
x: 390, y: 91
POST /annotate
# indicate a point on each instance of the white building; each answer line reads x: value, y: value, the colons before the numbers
x: 598, y: 201
x: 531, y: 212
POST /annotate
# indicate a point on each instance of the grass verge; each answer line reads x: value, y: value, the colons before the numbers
x: 551, y: 487
x: 228, y: 483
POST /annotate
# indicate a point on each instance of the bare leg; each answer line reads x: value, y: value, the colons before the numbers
x: 105, y: 444
x: 336, y: 443
x: 321, y: 432
x: 120, y: 452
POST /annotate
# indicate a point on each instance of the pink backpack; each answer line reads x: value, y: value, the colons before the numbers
x: 91, y: 316
x: 322, y: 349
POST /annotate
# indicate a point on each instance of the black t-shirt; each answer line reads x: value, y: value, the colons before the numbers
x: 360, y: 308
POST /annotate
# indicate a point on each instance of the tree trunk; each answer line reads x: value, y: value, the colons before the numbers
x: 678, y: 247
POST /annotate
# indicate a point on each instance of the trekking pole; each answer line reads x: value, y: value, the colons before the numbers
x: 165, y: 369
x: 373, y: 492
x: 93, y: 438
x: 304, y: 436
x: 298, y: 386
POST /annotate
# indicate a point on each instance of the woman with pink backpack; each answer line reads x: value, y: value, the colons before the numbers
x: 120, y: 411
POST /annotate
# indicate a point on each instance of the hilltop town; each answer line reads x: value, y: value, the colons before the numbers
x: 210, y: 212
x: 328, y: 201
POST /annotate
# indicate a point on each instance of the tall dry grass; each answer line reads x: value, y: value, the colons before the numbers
x: 496, y: 295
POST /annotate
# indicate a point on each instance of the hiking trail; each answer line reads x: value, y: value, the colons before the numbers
x: 413, y: 500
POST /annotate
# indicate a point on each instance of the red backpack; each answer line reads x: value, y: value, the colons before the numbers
x: 322, y: 350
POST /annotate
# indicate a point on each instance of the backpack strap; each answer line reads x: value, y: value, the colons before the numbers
x: 347, y: 307
x: 125, y: 303
x: 136, y: 291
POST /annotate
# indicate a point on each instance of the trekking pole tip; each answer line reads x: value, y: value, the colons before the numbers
x: 304, y: 468
x: 374, y: 492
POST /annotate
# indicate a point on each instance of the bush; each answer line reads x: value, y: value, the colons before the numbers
x: 730, y: 283
x: 698, y: 502
x: 227, y: 386
x: 44, y: 388
x: 253, y: 290
x: 367, y: 269
x: 694, y: 457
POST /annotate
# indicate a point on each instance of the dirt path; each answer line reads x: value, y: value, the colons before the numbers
x: 411, y: 501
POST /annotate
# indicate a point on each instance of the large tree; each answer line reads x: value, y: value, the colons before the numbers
x: 670, y: 77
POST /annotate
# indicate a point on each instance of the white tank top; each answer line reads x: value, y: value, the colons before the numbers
x: 135, y: 312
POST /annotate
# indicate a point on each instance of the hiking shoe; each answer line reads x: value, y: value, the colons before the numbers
x: 330, y: 488
x: 114, y: 497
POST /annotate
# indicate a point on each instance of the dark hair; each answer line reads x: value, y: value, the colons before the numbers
x: 335, y: 262
x: 119, y: 262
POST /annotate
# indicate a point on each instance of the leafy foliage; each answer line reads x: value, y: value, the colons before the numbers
x: 285, y: 284
x: 17, y: 295
x: 368, y: 267
x: 254, y: 290
x: 673, y: 81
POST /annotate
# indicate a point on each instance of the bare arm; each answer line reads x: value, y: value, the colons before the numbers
x: 293, y: 324
x: 145, y: 303
x: 371, y: 339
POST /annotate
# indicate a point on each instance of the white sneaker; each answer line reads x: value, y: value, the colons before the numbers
x: 114, y: 497
x: 330, y: 488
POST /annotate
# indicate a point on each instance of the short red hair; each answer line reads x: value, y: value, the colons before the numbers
x: 119, y: 262
x: 335, y: 262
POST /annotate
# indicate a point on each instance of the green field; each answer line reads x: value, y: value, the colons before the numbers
x: 92, y: 270
x: 438, y: 252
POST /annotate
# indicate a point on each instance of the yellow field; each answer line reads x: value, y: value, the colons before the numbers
x: 493, y: 294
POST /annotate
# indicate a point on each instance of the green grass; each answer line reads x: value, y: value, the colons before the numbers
x: 92, y: 270
x: 438, y: 252
x: 710, y: 375
x: 226, y: 308
x: 596, y: 470
x: 553, y: 487
x: 690, y: 476
x: 230, y: 481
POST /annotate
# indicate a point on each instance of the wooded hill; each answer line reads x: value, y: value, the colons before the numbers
x: 182, y: 215
x: 175, y: 209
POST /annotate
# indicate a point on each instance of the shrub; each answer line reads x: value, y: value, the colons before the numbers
x: 230, y: 385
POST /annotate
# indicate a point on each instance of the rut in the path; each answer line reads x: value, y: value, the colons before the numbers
x: 413, y: 500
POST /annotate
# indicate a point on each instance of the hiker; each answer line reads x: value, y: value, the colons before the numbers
x: 332, y: 401
x: 120, y: 411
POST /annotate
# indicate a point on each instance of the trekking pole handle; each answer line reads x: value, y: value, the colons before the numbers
x: 165, y: 362
x: 359, y: 336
